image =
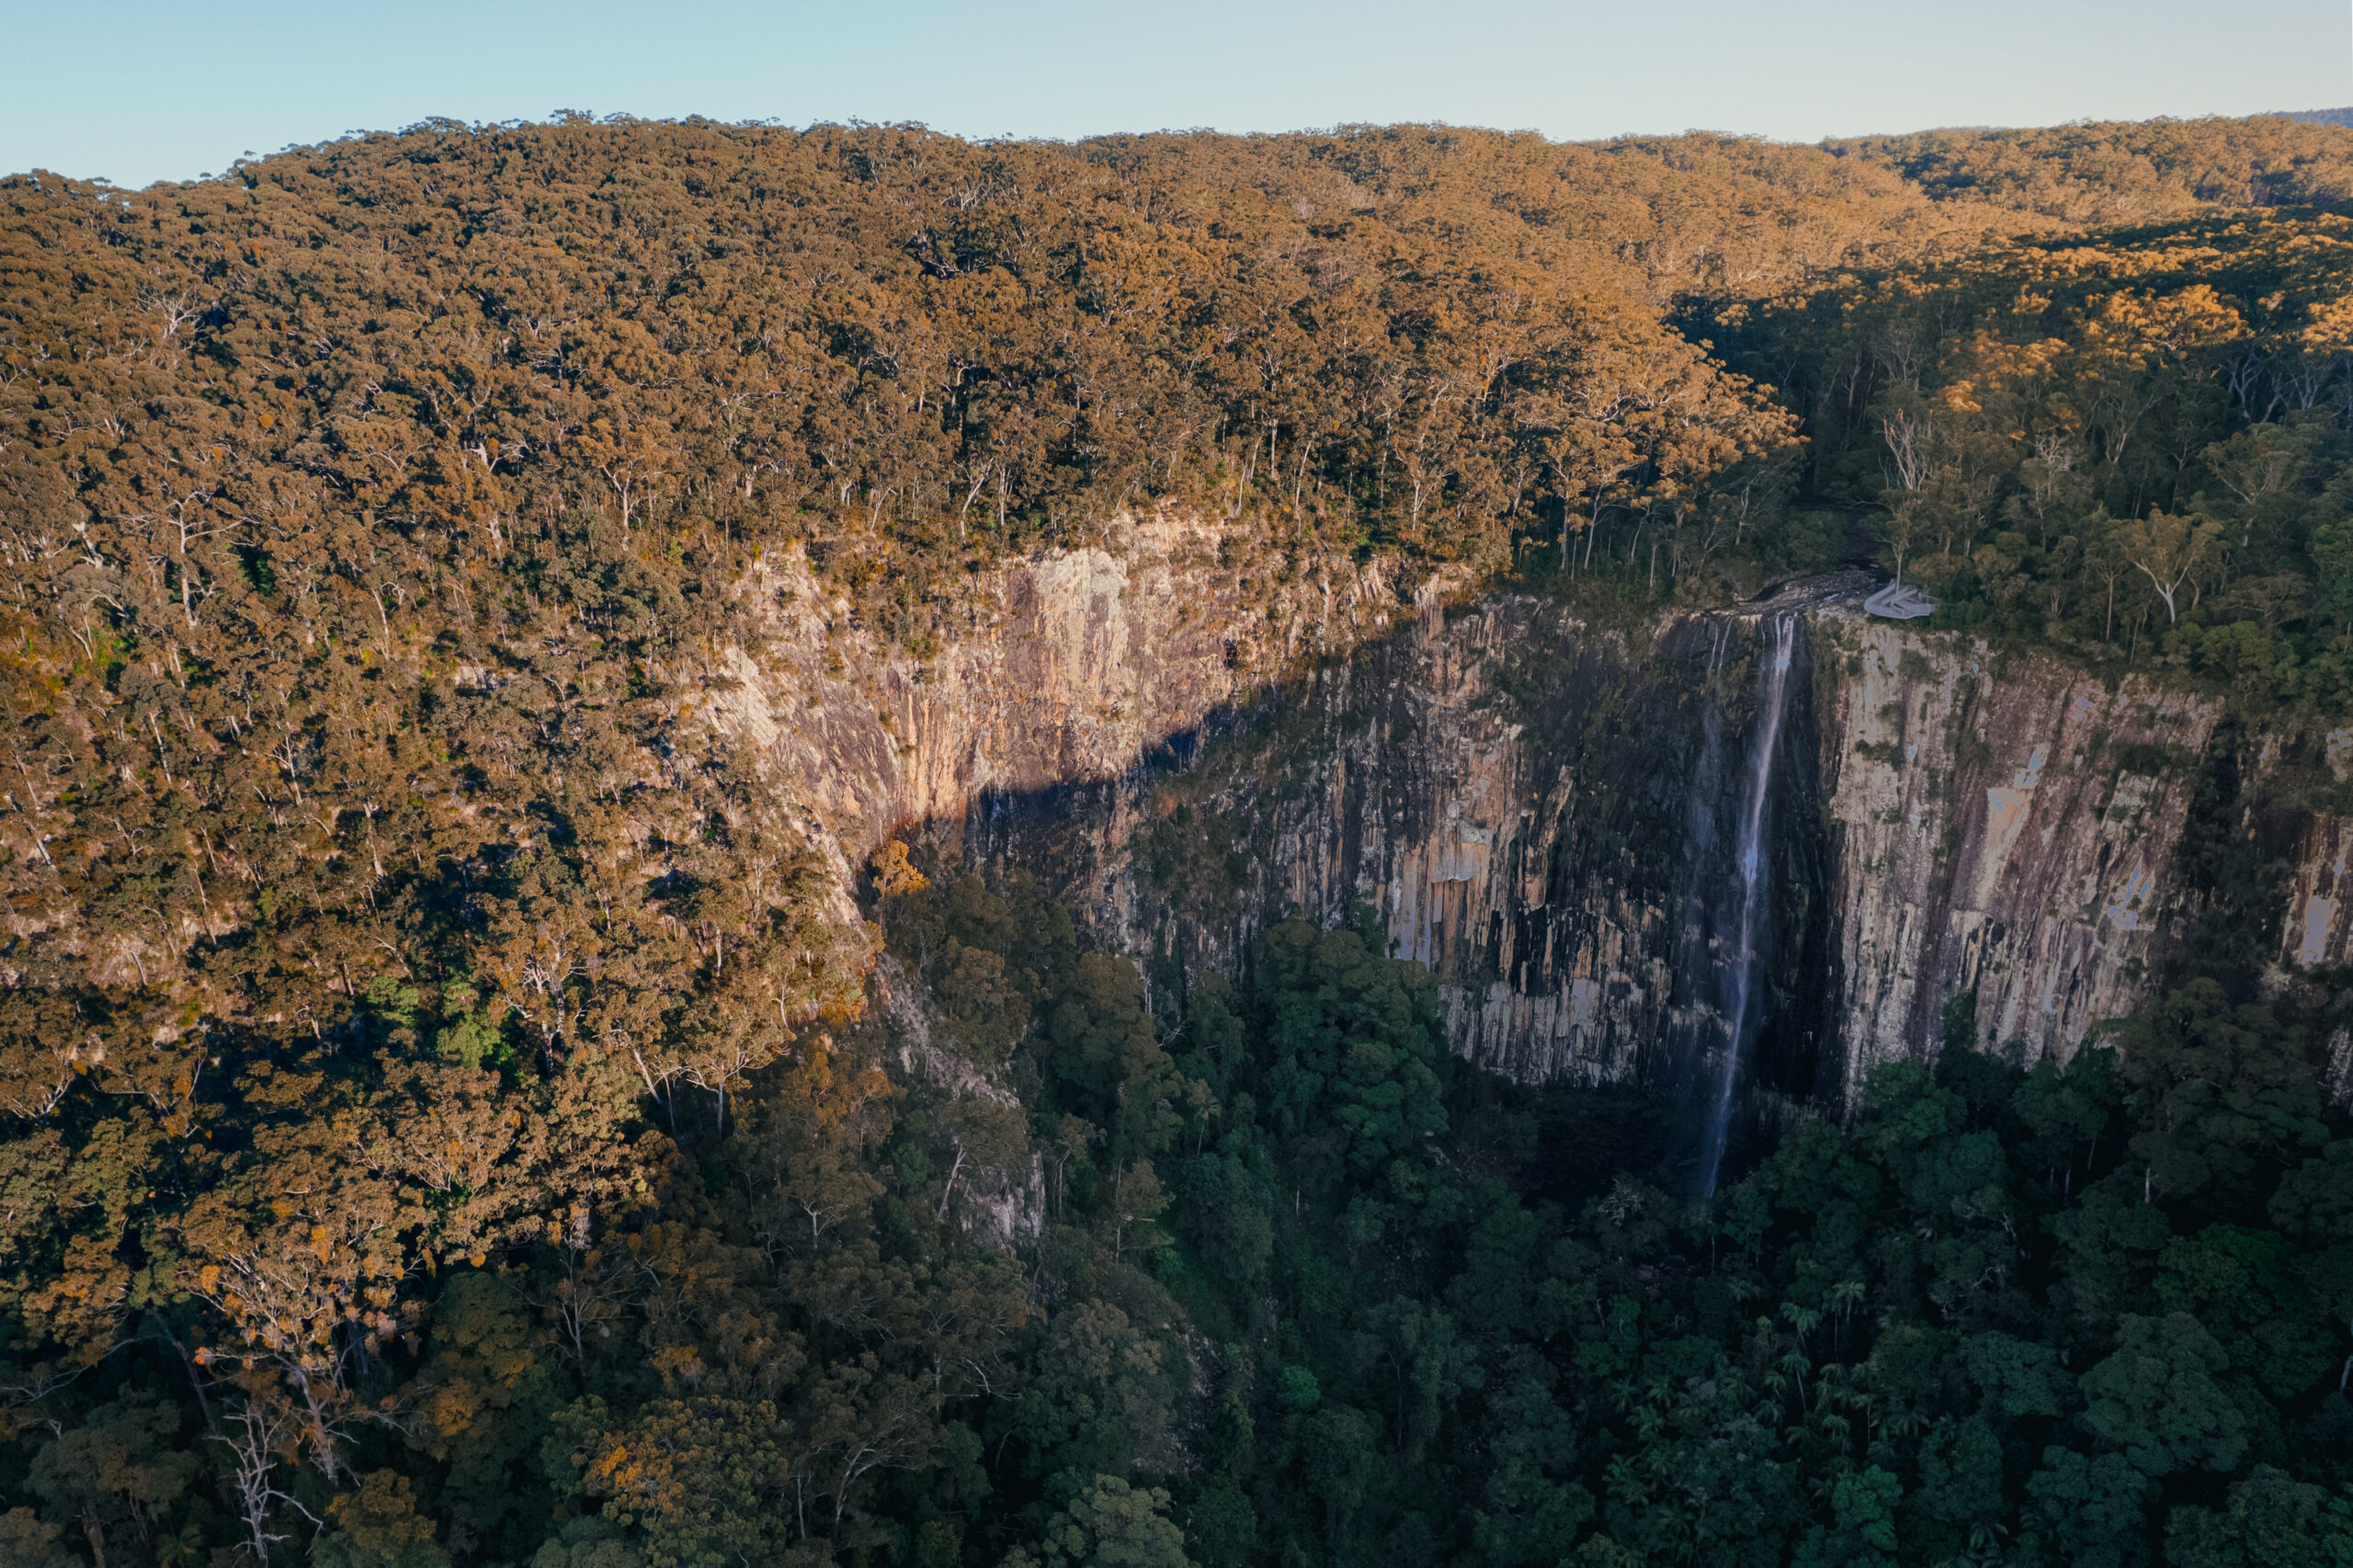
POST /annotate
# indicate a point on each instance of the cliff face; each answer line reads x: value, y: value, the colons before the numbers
x: 1545, y: 813
x: 1062, y: 674
x: 2319, y: 928
x: 2011, y: 829
x: 1553, y: 816
x: 1540, y: 814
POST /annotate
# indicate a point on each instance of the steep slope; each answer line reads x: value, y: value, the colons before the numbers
x: 1530, y: 803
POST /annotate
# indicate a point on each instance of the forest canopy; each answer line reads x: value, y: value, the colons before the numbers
x: 449, y: 1115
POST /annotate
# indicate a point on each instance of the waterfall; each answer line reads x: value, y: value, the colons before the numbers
x: 1738, y: 975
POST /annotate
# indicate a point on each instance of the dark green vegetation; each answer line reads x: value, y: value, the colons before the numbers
x: 446, y: 1122
x: 1346, y: 1300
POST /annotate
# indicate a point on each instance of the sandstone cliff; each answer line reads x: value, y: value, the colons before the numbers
x: 1537, y: 808
x: 2318, y: 931
x: 1064, y: 675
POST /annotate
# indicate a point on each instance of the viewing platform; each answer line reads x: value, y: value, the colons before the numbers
x: 1900, y: 601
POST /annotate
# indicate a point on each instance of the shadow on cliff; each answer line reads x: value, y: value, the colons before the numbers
x: 1554, y: 819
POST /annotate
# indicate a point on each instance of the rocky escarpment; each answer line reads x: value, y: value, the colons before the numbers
x: 2318, y: 932
x: 2006, y: 828
x: 1061, y: 673
x: 2018, y: 830
x: 1540, y: 809
x: 1534, y: 806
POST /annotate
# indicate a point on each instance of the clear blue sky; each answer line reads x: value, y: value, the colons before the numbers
x: 136, y: 91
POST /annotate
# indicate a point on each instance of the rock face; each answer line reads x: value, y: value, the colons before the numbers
x: 1068, y: 669
x: 1063, y: 676
x: 1552, y: 817
x: 1546, y: 813
x: 2318, y: 932
x: 1543, y: 813
x: 2010, y: 830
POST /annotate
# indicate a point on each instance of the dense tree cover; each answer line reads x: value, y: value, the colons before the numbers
x: 2131, y: 172
x: 909, y: 354
x: 448, y: 1118
x: 2133, y: 446
x: 1307, y: 1288
x: 384, y: 896
x: 2090, y: 1312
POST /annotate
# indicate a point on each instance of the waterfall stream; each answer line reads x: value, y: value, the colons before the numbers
x: 1738, y: 973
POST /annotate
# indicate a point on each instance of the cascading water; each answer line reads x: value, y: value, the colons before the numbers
x: 1738, y: 973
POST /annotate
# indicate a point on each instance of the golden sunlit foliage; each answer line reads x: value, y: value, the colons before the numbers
x: 2131, y: 444
x: 442, y: 1115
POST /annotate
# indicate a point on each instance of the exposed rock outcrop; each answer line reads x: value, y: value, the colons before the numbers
x: 2009, y: 828
x: 997, y: 1185
x: 1533, y: 805
x: 1065, y: 671
x: 2319, y: 930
